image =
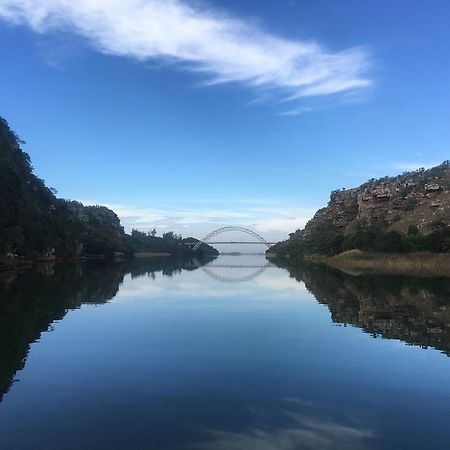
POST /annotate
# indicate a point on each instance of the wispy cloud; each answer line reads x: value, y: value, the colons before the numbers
x: 281, y: 224
x: 201, y: 39
x: 296, y: 112
x: 274, y: 220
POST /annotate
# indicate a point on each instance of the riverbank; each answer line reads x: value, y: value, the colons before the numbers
x: 151, y: 254
x: 416, y: 264
x: 15, y: 263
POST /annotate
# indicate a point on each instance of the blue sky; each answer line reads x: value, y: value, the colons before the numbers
x: 189, y: 115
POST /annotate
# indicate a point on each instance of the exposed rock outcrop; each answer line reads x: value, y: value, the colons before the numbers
x: 409, y: 212
x: 413, y: 198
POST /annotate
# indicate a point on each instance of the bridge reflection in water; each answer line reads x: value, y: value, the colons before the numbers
x: 217, y: 272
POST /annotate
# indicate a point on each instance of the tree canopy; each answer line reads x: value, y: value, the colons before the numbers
x: 34, y: 222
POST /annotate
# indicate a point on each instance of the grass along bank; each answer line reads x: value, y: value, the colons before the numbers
x: 417, y: 264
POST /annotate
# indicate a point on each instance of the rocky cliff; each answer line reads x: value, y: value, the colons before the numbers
x: 414, y: 198
x: 414, y: 203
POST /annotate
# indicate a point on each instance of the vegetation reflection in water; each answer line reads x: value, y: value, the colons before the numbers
x: 255, y: 367
x: 412, y: 309
x: 33, y: 299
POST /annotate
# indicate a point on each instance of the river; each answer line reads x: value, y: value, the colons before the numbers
x: 234, y: 354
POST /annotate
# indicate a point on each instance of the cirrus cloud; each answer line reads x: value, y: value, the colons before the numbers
x: 223, y: 47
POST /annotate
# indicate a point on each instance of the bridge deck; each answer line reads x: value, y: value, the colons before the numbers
x: 239, y: 242
x: 235, y: 266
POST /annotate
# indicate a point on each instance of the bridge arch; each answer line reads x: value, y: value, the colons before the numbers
x: 214, y: 233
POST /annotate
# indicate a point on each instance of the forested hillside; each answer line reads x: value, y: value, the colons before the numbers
x: 35, y: 223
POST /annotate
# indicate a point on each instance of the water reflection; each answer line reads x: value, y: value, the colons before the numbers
x: 245, y: 272
x: 298, y: 432
x: 31, y: 300
x: 180, y: 360
x: 295, y: 431
x: 414, y: 310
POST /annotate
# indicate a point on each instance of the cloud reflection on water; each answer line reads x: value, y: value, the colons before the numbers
x: 299, y: 432
x: 271, y: 284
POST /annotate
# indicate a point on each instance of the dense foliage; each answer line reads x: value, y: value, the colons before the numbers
x: 34, y: 222
x: 169, y: 243
x: 31, y: 216
x: 328, y: 239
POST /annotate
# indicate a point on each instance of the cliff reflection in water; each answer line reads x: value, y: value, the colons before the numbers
x: 414, y: 310
x: 30, y: 301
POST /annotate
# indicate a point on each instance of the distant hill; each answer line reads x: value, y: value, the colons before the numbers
x: 34, y: 223
x: 409, y: 212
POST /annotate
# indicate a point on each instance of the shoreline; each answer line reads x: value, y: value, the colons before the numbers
x: 356, y: 262
x: 18, y: 263
x: 150, y: 254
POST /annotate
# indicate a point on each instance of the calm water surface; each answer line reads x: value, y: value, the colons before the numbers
x: 236, y: 354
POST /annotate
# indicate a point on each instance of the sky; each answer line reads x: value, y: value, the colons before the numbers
x: 191, y: 115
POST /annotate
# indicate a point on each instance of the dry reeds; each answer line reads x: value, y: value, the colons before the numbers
x: 417, y: 264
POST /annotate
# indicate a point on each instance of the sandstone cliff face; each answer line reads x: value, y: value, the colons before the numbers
x: 414, y: 198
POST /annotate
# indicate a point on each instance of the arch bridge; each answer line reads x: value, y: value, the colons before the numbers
x: 208, y: 239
